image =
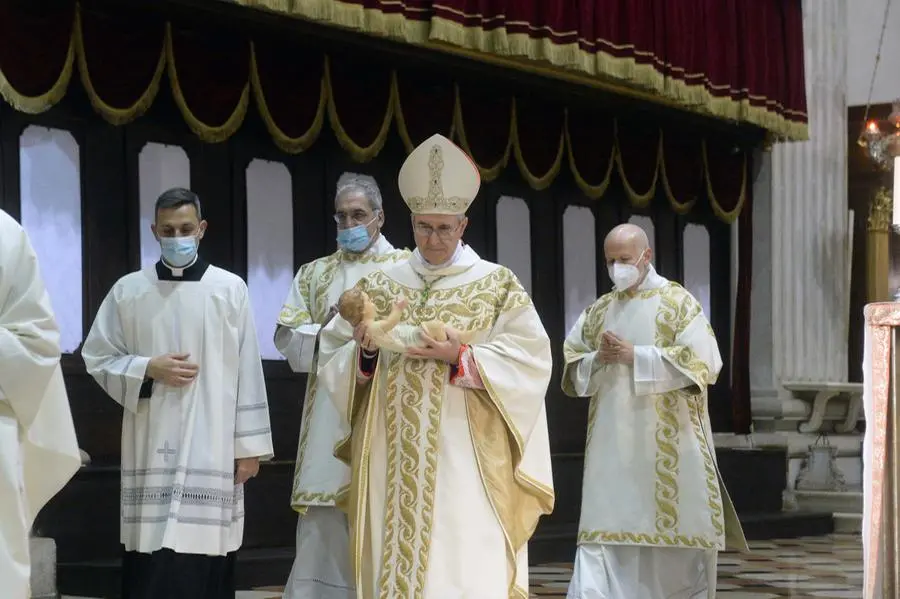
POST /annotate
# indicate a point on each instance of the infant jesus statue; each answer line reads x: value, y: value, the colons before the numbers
x: 355, y: 307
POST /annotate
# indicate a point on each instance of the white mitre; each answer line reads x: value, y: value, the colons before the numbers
x: 438, y: 178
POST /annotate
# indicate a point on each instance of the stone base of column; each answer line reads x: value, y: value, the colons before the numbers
x: 43, y: 568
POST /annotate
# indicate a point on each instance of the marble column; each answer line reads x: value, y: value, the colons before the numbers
x: 800, y: 297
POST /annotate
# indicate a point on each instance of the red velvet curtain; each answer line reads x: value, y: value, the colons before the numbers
x: 748, y: 52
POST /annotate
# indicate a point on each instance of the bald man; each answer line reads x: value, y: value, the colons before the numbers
x: 654, y: 511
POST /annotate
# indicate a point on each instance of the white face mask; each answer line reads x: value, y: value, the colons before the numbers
x: 624, y: 276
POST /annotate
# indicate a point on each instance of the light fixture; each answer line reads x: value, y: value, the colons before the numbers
x: 881, y: 139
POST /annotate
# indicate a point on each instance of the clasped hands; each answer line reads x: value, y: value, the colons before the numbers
x: 615, y: 350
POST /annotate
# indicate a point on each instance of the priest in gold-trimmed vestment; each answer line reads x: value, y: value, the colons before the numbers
x: 654, y: 510
x: 322, y: 564
x: 449, y: 451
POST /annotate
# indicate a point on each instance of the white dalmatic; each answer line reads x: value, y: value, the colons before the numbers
x: 450, y: 467
x: 654, y: 509
x: 316, y: 288
x: 38, y: 449
x: 179, y: 445
x: 321, y: 568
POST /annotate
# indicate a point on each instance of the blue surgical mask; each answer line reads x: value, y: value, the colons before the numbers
x: 355, y: 239
x: 178, y: 251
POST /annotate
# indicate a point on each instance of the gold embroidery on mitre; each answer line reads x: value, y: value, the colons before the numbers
x: 435, y: 202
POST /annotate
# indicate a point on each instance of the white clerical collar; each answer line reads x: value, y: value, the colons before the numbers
x: 464, y: 258
x: 178, y: 272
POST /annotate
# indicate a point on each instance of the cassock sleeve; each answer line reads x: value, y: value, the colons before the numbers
x: 582, y: 373
x: 121, y: 373
x: 29, y: 337
x: 252, y: 428
x: 296, y: 333
x: 694, y: 353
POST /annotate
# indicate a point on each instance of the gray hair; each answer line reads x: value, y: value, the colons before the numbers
x: 176, y: 198
x: 363, y: 184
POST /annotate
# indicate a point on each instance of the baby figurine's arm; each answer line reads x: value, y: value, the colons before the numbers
x: 393, y: 319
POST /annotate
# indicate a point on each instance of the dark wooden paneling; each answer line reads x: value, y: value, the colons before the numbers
x: 225, y: 242
x: 107, y: 238
x: 4, y: 174
x: 669, y: 247
x: 98, y: 419
x: 10, y: 131
x: 285, y: 390
x: 609, y: 212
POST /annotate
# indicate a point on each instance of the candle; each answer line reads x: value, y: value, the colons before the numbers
x: 896, y: 194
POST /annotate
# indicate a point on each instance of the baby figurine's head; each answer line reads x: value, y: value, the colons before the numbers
x: 354, y: 306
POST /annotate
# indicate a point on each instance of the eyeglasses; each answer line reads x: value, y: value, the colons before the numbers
x: 357, y: 217
x: 443, y: 232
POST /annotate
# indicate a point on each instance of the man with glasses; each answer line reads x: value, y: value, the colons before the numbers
x: 448, y: 444
x: 322, y: 567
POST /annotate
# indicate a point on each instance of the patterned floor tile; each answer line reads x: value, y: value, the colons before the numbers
x: 809, y: 568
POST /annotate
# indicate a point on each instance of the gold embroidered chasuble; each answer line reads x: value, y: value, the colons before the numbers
x: 650, y: 474
x: 447, y: 482
x: 318, y: 475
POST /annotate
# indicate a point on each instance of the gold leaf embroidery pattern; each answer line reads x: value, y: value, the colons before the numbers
x: 314, y: 282
x: 413, y: 399
x: 666, y: 487
x: 696, y: 408
x: 638, y: 538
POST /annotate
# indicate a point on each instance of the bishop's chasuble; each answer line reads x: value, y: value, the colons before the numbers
x: 650, y: 473
x: 319, y: 475
x: 448, y: 481
x: 38, y: 450
x: 179, y: 445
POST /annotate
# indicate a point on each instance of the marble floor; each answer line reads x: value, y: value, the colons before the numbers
x: 807, y: 568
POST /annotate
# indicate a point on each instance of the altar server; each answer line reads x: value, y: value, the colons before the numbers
x: 175, y: 344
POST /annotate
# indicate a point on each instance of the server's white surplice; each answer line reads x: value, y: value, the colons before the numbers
x: 179, y: 445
